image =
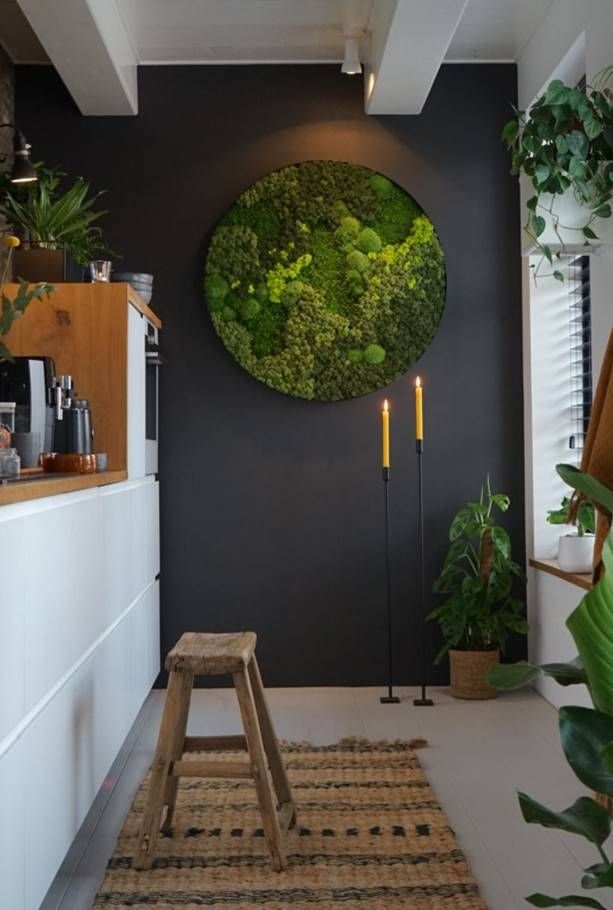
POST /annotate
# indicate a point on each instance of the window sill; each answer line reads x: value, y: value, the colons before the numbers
x: 552, y: 568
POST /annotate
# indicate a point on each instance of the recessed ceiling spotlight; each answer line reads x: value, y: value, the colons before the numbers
x: 351, y: 62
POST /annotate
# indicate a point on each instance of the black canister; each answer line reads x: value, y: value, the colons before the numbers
x: 74, y: 432
x: 82, y: 432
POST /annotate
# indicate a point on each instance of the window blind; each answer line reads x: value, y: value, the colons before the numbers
x: 580, y: 351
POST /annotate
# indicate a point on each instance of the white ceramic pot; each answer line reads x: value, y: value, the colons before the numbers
x: 572, y: 215
x: 576, y: 554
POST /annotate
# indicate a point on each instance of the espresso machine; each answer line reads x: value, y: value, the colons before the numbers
x: 47, y: 404
x: 29, y: 381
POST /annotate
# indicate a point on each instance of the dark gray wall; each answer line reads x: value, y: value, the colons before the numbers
x: 272, y: 507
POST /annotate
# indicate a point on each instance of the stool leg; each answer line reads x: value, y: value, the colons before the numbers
x: 271, y: 745
x: 172, y: 782
x: 270, y: 821
x: 177, y: 701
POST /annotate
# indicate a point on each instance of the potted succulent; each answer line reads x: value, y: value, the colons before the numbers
x: 562, y: 148
x: 575, y: 551
x: 57, y: 227
x: 480, y: 610
x: 586, y: 734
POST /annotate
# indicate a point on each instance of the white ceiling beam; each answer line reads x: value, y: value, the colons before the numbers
x: 87, y: 43
x: 409, y: 39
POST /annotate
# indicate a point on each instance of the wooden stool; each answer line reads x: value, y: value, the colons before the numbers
x: 201, y: 654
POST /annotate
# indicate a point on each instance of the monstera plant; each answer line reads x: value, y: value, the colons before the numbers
x: 586, y: 733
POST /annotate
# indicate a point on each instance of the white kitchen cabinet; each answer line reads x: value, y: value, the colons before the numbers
x: 79, y: 616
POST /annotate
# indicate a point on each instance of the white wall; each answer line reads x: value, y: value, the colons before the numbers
x: 575, y: 35
x: 568, y: 23
x: 551, y: 600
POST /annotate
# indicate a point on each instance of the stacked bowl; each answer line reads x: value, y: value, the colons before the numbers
x: 142, y: 282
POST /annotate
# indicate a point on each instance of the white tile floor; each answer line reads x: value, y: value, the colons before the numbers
x: 480, y: 753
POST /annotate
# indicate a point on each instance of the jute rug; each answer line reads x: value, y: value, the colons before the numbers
x: 370, y: 835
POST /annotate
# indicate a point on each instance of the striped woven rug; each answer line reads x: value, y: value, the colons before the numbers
x: 370, y: 834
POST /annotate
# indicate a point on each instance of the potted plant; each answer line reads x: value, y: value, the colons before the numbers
x: 563, y: 148
x: 586, y: 734
x: 55, y: 226
x: 575, y: 551
x: 480, y: 609
x: 13, y: 309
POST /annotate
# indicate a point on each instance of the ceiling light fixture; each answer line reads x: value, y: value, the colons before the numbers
x: 23, y: 170
x: 351, y: 62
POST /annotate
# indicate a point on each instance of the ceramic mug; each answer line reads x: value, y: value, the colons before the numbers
x: 28, y: 446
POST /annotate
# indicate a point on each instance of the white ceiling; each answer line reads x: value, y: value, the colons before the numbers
x: 269, y: 31
x: 241, y: 30
x: 496, y: 29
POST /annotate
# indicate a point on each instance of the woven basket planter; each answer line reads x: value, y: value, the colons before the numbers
x: 468, y: 670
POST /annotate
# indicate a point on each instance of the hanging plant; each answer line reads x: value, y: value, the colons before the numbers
x: 564, y: 143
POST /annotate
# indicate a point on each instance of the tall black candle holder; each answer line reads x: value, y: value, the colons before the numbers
x: 424, y: 701
x: 390, y: 698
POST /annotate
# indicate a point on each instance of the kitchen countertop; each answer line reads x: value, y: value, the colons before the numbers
x: 54, y: 484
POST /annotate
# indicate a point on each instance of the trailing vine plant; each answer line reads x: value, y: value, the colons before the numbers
x: 565, y: 143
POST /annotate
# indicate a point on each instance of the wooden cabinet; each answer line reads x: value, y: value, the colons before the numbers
x: 91, y: 331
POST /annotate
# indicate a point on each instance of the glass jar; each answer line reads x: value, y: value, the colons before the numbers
x: 10, y: 464
x: 7, y: 415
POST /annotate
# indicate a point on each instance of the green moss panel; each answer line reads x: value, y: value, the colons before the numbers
x: 325, y: 280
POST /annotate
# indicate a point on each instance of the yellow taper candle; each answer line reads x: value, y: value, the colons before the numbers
x: 385, y: 435
x: 419, y: 410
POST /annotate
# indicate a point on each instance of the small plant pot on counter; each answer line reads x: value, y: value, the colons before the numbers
x: 35, y: 264
x: 576, y: 553
x: 468, y: 672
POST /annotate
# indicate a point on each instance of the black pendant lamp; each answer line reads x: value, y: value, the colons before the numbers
x: 23, y: 170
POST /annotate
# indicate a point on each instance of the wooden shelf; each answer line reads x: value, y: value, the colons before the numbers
x: 552, y: 568
x: 53, y: 485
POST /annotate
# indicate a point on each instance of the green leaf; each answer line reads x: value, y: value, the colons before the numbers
x: 557, y: 92
x: 585, y: 817
x: 501, y: 500
x: 541, y: 900
x: 586, y: 484
x: 591, y: 626
x: 546, y: 250
x: 578, y: 144
x: 585, y: 733
x: 607, y: 757
x: 589, y: 233
x: 577, y: 167
x: 603, y: 211
x: 5, y: 354
x: 538, y: 224
x: 593, y: 128
x: 507, y: 677
x: 558, y: 275
x: 599, y: 876
x: 532, y: 203
x: 510, y: 131
x: 542, y: 173
x: 566, y: 674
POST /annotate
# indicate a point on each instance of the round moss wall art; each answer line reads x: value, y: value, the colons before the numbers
x: 325, y: 280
